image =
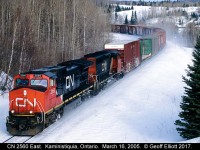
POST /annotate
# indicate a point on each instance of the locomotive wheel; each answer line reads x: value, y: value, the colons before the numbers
x: 47, y: 123
x: 96, y: 89
x: 95, y: 92
x: 61, y: 112
x: 83, y: 98
x: 58, y: 116
x: 121, y: 75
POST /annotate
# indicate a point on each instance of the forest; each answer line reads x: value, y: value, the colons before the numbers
x: 38, y: 33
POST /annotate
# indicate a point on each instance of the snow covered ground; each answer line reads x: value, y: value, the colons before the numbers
x: 144, y: 11
x: 142, y: 107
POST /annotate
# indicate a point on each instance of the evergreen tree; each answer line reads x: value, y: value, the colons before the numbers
x: 189, y: 124
x: 126, y: 20
x: 132, y: 19
x: 180, y: 21
x: 118, y: 8
x: 194, y: 15
x: 135, y: 17
x: 132, y: 7
x: 109, y: 10
x: 134, y: 3
x: 116, y: 16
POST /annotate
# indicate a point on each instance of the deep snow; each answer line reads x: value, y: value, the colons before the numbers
x: 144, y: 11
x: 141, y: 107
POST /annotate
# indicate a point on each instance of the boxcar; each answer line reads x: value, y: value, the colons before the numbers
x: 129, y: 53
x: 149, y: 46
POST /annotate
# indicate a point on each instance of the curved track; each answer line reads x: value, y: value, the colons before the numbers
x: 134, y: 30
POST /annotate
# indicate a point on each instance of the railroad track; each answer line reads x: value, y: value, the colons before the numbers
x: 73, y: 105
x: 18, y: 139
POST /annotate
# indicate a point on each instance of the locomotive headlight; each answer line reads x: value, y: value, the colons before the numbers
x: 25, y: 92
x: 12, y: 111
x: 31, y: 112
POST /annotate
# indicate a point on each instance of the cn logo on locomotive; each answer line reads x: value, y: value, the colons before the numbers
x: 24, y: 102
x: 69, y: 81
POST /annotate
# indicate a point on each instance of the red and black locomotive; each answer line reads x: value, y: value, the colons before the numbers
x: 39, y: 96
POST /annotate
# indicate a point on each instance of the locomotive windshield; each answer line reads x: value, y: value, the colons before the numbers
x: 39, y: 83
x: 22, y: 82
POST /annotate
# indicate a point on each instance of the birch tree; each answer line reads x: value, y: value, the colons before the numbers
x: 35, y: 34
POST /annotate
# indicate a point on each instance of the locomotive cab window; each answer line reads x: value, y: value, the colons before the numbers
x: 39, y: 83
x: 22, y: 82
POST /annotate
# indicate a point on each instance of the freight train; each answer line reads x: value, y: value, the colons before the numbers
x: 39, y: 96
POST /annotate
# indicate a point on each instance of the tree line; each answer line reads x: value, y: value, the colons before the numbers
x: 163, y: 3
x: 37, y: 33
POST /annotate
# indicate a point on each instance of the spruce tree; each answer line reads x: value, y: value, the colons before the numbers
x: 189, y: 124
x: 109, y: 10
x: 132, y: 19
x: 135, y: 17
x: 116, y: 16
x: 126, y: 20
x: 118, y: 9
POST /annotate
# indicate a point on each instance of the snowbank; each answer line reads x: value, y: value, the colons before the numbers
x: 9, y: 85
x: 142, y: 107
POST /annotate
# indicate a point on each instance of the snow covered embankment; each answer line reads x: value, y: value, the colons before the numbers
x: 141, y: 107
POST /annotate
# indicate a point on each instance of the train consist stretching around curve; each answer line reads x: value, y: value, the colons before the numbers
x: 39, y: 96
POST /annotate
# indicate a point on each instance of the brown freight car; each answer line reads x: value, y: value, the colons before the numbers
x: 129, y: 53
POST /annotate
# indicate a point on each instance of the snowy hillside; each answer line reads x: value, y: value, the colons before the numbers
x: 141, y: 107
x: 145, y: 13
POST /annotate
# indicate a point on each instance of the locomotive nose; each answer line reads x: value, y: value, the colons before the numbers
x: 23, y: 101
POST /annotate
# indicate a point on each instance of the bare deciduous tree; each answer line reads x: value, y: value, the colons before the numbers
x: 36, y: 33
